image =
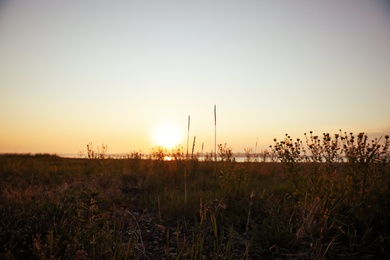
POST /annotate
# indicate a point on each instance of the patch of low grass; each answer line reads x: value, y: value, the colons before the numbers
x: 325, y: 198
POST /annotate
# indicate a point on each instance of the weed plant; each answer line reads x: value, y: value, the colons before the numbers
x: 341, y: 188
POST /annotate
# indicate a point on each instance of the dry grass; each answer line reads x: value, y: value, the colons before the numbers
x: 134, y: 208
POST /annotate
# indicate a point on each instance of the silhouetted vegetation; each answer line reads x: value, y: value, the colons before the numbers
x: 323, y: 197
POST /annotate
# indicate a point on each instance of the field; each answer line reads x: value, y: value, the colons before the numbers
x: 299, y: 207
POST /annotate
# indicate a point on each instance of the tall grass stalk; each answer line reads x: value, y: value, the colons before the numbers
x: 255, y: 155
x: 193, y: 148
x: 186, y: 168
x: 215, y: 132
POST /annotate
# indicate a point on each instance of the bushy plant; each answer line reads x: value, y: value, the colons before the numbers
x: 340, y: 184
x: 96, y: 154
x: 232, y: 179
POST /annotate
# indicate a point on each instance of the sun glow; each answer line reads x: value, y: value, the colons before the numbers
x: 167, y: 135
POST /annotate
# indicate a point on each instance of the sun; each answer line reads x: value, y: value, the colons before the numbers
x: 167, y: 135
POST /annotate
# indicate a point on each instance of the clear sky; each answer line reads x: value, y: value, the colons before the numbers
x: 128, y: 73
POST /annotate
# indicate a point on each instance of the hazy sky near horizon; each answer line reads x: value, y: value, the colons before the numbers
x: 118, y: 72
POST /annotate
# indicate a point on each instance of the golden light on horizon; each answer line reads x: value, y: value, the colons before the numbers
x: 167, y: 135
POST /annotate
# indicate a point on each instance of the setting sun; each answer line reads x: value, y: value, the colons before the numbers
x: 167, y: 135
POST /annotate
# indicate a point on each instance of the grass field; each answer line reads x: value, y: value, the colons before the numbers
x: 313, y: 207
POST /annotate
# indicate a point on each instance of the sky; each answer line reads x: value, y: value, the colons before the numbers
x: 129, y: 73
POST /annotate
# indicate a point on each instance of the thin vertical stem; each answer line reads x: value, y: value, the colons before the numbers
x: 188, y: 133
x: 185, y: 172
x: 193, y: 148
x: 215, y: 132
x: 255, y: 155
x: 202, y: 150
